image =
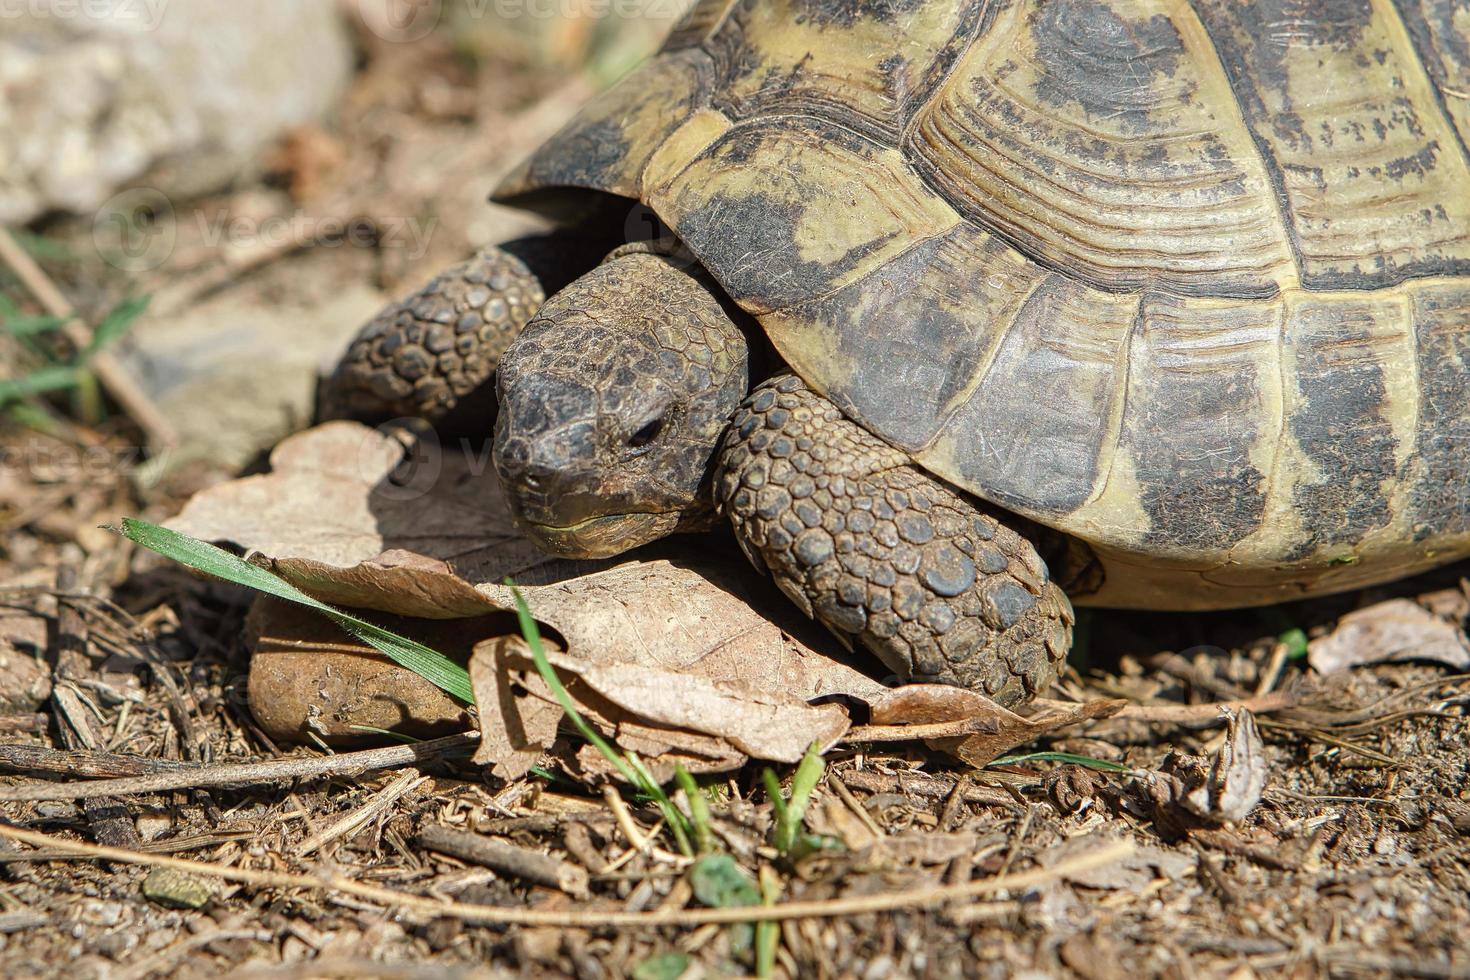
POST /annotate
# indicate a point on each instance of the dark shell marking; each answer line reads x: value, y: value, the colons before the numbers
x: 882, y: 553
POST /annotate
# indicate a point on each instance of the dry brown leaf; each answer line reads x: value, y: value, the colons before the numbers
x: 516, y: 729
x: 1390, y: 631
x: 664, y: 716
x: 1238, y: 776
x: 990, y: 730
x: 1190, y: 790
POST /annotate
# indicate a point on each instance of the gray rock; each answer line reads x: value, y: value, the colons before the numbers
x: 97, y: 93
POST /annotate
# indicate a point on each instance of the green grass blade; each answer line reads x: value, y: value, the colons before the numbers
x: 767, y: 931
x: 790, y: 813
x: 532, y: 634
x: 673, y: 816
x: 29, y: 326
x: 116, y: 322
x: 39, y: 382
x: 429, y: 664
x: 699, y: 815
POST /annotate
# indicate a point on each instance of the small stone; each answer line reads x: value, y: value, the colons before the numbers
x: 175, y: 889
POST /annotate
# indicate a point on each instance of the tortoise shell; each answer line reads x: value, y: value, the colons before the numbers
x: 1188, y: 281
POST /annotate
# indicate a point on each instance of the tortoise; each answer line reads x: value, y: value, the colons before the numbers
x: 955, y: 308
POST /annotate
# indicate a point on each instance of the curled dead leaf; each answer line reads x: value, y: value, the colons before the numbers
x: 1189, y: 790
x: 664, y: 715
x: 1390, y: 631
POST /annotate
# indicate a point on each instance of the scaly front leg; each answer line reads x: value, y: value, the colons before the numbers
x: 880, y: 552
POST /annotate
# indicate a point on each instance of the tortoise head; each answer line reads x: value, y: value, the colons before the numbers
x: 612, y: 402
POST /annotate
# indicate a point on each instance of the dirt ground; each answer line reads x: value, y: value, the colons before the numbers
x: 113, y: 663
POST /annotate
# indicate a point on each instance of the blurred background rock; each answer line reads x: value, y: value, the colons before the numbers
x: 270, y: 173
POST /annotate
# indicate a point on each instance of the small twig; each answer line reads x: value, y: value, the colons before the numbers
x: 24, y: 723
x: 1279, y: 654
x: 630, y: 829
x: 976, y: 725
x: 345, y: 764
x: 84, y: 765
x: 1206, y: 714
x: 853, y: 905
x: 129, y: 395
x: 381, y: 800
x: 533, y: 866
x: 853, y: 804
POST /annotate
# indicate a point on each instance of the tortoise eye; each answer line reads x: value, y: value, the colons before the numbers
x: 647, y: 434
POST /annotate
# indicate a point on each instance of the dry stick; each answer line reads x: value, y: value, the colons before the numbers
x: 976, y: 725
x: 857, y: 905
x: 533, y: 866
x: 1206, y: 713
x: 83, y: 764
x: 346, y: 764
x: 122, y: 386
x: 379, y: 802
